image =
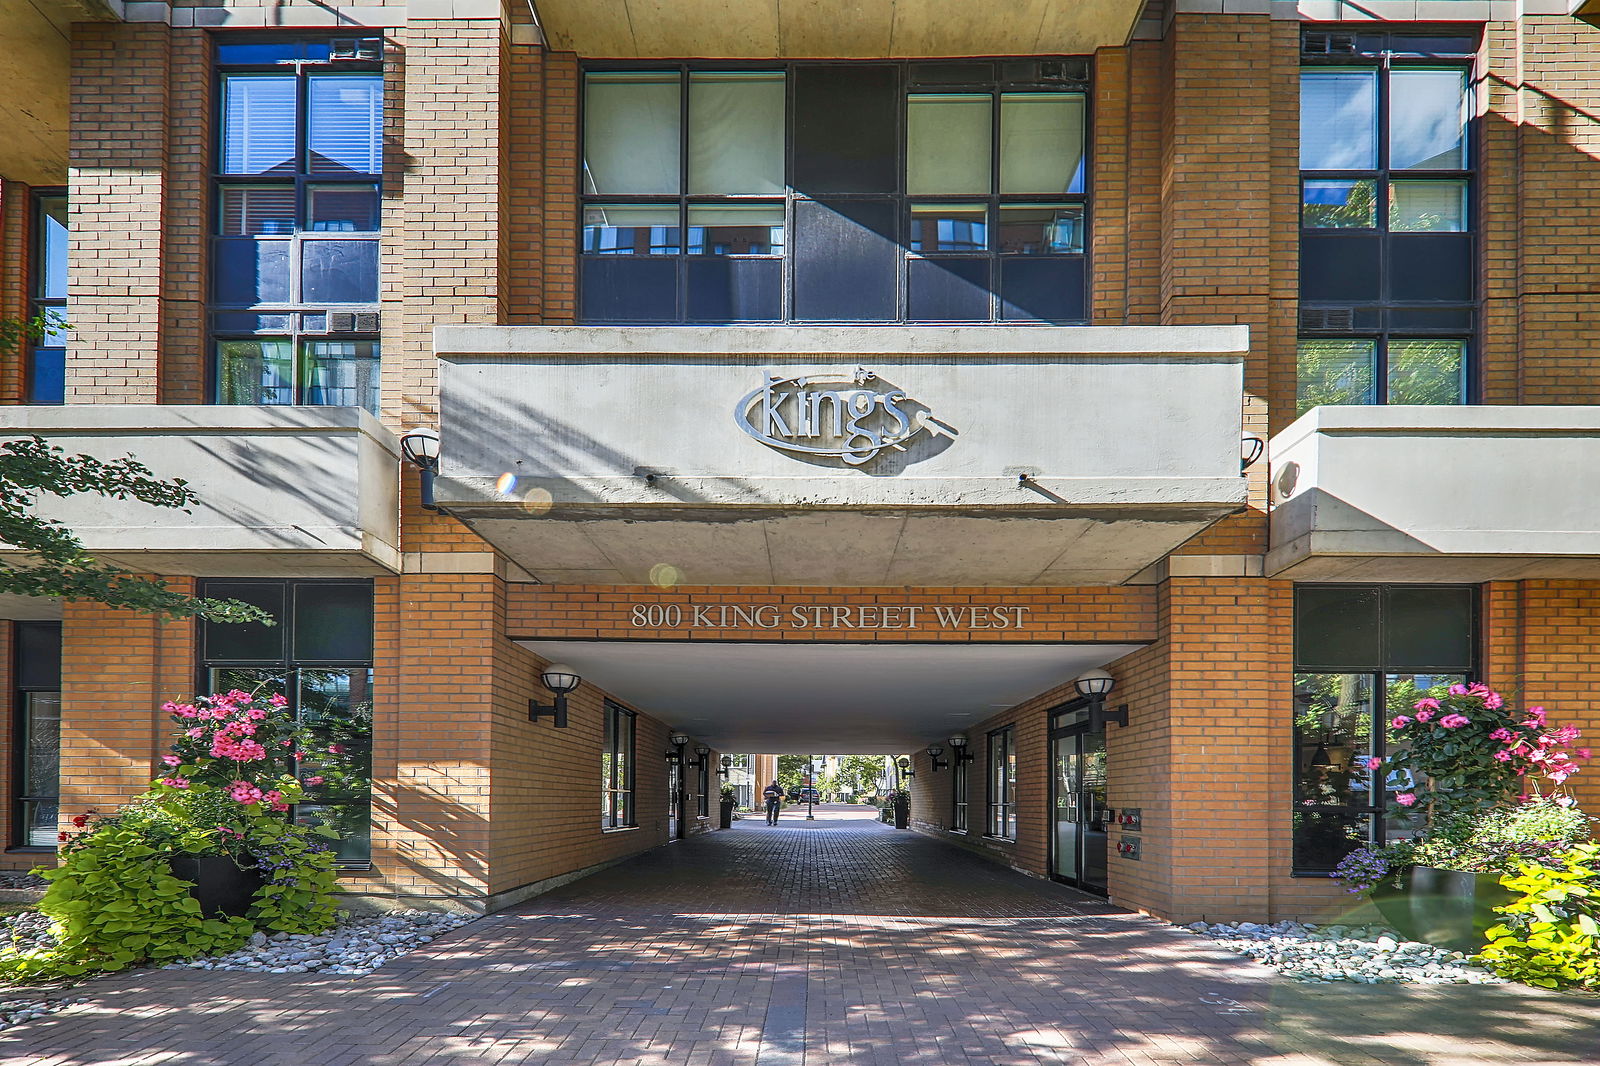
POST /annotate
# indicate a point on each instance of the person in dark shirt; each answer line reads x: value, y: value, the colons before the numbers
x: 773, y: 794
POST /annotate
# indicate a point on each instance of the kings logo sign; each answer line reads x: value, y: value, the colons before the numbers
x: 851, y: 420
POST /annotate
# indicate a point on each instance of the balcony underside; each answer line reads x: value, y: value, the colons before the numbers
x: 822, y: 29
x: 35, y: 69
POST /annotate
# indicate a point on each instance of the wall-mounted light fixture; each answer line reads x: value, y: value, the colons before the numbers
x: 1250, y: 449
x: 959, y: 751
x: 1095, y: 685
x: 934, y: 751
x: 702, y: 752
x: 727, y: 766
x: 560, y: 679
x: 905, y: 767
x: 420, y: 448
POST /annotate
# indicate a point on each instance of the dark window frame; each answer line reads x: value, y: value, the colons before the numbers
x: 1376, y: 320
x: 288, y: 664
x: 901, y: 199
x: 959, y: 803
x: 296, y: 321
x: 20, y: 693
x: 1376, y: 675
x: 619, y: 788
x: 38, y: 302
x: 702, y: 782
x: 1000, y: 814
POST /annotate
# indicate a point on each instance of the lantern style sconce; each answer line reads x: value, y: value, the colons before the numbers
x: 934, y: 751
x: 560, y: 679
x: 959, y: 752
x: 677, y: 740
x: 905, y: 767
x: 420, y: 448
x: 702, y: 752
x: 727, y: 765
x: 1095, y: 685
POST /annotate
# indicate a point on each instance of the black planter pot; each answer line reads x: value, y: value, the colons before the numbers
x: 727, y: 813
x: 220, y: 885
x: 902, y: 813
x: 1445, y: 908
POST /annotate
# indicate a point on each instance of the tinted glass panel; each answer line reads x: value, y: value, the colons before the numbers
x: 1333, y: 735
x: 1428, y: 628
x: 342, y: 208
x: 628, y: 289
x: 736, y: 132
x: 1431, y: 267
x: 336, y: 705
x: 1048, y: 289
x: 845, y: 259
x: 251, y: 271
x: 245, y: 640
x: 264, y: 52
x: 51, y: 283
x: 1427, y: 119
x: 258, y: 123
x: 1336, y: 628
x: 332, y: 623
x: 734, y: 290
x: 1338, y: 119
x: 949, y: 228
x: 948, y: 143
x: 344, y: 116
x: 38, y: 655
x: 948, y: 290
x: 341, y: 374
x: 255, y: 372
x: 1427, y: 371
x: 1343, y: 268
x: 1040, y: 229
x: 339, y: 272
x: 1429, y: 206
x: 631, y: 123
x: 252, y: 210
x: 1334, y: 204
x: 47, y: 376
x: 1041, y: 143
x: 846, y: 129
x: 645, y: 229
x: 1335, y: 371
x: 736, y: 229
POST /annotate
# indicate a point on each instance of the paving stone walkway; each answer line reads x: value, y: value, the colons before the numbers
x: 838, y: 942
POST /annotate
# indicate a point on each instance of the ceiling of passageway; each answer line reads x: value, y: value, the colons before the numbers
x: 799, y: 698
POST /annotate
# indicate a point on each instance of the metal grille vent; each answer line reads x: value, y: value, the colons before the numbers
x: 1328, y: 44
x: 352, y: 321
x: 363, y: 49
x: 1333, y: 318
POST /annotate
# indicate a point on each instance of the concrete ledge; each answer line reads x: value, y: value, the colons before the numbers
x: 497, y: 901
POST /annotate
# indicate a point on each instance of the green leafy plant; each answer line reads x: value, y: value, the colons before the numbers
x: 1551, y: 935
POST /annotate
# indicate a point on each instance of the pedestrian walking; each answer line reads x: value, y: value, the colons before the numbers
x: 773, y: 794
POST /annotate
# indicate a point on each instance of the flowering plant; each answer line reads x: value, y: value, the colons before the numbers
x: 1465, y: 751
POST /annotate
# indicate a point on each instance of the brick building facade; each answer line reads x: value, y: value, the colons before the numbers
x: 1241, y: 209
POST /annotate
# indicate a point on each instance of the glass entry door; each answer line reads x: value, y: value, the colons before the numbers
x: 1078, y: 802
x: 674, y: 799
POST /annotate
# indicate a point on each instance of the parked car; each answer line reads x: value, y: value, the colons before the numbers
x: 808, y: 795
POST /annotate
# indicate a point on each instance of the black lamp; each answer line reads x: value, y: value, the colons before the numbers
x: 701, y: 752
x: 727, y: 765
x: 934, y: 751
x: 959, y: 751
x: 1095, y: 685
x: 420, y: 448
x: 905, y: 767
x: 560, y: 679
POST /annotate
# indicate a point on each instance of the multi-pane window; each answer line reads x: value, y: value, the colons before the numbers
x: 616, y: 768
x: 702, y: 786
x: 35, y: 791
x: 1002, y: 784
x: 46, y: 376
x: 1386, y: 220
x: 319, y: 657
x: 958, y: 793
x: 1364, y: 654
x: 294, y: 288
x: 824, y: 192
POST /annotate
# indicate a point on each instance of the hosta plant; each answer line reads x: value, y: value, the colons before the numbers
x: 1550, y: 936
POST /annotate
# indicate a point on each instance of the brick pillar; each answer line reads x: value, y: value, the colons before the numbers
x: 117, y: 668
x: 15, y: 239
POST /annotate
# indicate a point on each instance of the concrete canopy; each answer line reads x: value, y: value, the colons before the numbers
x: 34, y: 67
x: 870, y: 699
x: 821, y: 29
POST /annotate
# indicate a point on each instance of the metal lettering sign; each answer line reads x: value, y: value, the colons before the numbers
x: 812, y: 616
x: 853, y: 421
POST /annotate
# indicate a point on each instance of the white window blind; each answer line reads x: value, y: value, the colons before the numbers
x: 345, y: 120
x: 257, y: 123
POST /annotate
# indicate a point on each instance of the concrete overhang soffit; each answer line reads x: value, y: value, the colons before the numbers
x: 824, y: 29
x: 35, y: 69
x: 1587, y: 10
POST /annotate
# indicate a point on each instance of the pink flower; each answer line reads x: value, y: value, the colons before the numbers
x: 175, y: 782
x: 1427, y: 703
x: 280, y: 806
x: 284, y: 743
x: 1503, y: 756
x: 314, y: 780
x: 277, y: 700
x: 171, y: 760
x: 335, y: 749
x: 1423, y: 716
x: 1399, y: 722
x: 1373, y: 762
x: 196, y: 732
x: 1503, y: 735
x: 1582, y: 753
x: 1458, y: 690
x: 255, y: 713
x: 1494, y: 701
x: 1405, y: 799
x: 1454, y: 721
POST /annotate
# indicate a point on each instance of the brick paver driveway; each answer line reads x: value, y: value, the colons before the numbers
x: 839, y: 941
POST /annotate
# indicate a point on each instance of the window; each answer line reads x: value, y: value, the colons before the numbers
x: 294, y: 287
x: 958, y: 791
x: 319, y: 657
x: 616, y: 768
x: 1387, y: 245
x: 702, y: 786
x: 921, y: 192
x: 35, y: 793
x: 46, y: 374
x: 1002, y: 784
x: 1364, y: 653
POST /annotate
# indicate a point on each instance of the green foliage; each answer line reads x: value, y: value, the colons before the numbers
x: 57, y: 563
x: 1551, y: 935
x: 792, y: 771
x: 1501, y: 840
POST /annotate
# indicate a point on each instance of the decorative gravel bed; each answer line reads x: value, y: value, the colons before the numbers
x: 356, y: 946
x: 1365, y: 954
x: 9, y: 879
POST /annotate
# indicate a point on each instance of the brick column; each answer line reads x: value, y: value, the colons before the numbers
x: 15, y: 239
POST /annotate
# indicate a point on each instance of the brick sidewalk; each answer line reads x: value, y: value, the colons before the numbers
x: 839, y: 942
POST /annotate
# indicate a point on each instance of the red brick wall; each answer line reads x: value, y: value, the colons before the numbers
x: 15, y: 259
